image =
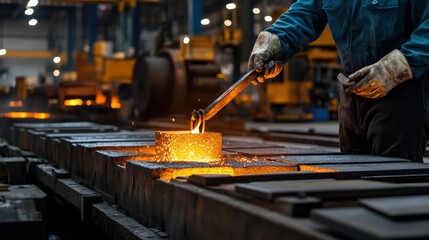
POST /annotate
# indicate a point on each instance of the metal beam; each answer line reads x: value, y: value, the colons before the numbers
x: 28, y: 54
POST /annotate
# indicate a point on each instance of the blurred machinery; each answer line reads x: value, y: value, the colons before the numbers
x: 176, y: 81
x: 307, y: 88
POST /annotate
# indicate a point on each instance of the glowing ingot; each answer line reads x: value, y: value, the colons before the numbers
x: 185, y: 146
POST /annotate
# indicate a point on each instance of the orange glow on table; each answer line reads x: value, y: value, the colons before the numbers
x: 35, y: 115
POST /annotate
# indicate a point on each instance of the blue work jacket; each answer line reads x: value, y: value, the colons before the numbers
x: 364, y: 30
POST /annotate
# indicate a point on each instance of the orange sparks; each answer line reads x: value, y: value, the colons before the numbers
x: 173, y: 119
x: 73, y: 102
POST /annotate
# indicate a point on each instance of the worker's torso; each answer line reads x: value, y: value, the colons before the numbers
x: 366, y: 30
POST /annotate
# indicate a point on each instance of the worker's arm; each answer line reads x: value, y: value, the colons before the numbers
x: 300, y: 25
x: 416, y: 49
x: 412, y: 60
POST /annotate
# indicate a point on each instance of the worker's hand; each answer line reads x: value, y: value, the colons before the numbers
x: 377, y: 80
x: 267, y: 48
x: 270, y: 70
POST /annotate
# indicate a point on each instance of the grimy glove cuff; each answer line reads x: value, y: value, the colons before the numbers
x: 267, y: 47
x: 397, y: 66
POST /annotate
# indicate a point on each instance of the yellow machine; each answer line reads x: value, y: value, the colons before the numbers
x: 285, y: 97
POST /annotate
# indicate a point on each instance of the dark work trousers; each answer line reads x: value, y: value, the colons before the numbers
x: 396, y: 125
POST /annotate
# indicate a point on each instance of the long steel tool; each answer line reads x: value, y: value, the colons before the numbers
x: 199, y: 117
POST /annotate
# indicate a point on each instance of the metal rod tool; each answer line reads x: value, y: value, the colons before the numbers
x: 199, y: 117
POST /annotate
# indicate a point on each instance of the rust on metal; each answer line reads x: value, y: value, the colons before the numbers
x: 185, y: 146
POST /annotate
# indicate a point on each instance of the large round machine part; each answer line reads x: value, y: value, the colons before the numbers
x: 165, y: 84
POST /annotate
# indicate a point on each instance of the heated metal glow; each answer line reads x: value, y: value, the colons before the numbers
x: 184, y: 146
x: 15, y: 103
x: 88, y: 102
x: 73, y: 102
x: 196, y: 130
x: 114, y: 103
x: 25, y: 115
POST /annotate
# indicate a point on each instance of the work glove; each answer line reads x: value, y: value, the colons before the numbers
x: 378, y: 79
x: 267, y: 48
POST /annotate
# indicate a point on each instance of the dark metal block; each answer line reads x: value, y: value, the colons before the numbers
x: 244, y: 145
x: 337, y: 159
x: 404, y: 207
x: 360, y: 223
x: 15, y: 169
x: 330, y: 189
x: 119, y: 226
x: 371, y: 169
x: 296, y: 206
x: 17, y: 215
x: 286, y: 151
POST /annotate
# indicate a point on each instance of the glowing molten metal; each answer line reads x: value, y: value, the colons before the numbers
x: 184, y: 146
x: 15, y: 103
x: 73, y: 102
x: 25, y: 115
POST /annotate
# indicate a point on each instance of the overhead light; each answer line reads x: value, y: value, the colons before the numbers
x: 32, y: 22
x: 186, y: 40
x: 268, y: 19
x: 2, y: 52
x: 56, y: 73
x: 227, y: 23
x: 57, y: 59
x: 256, y: 11
x: 205, y: 21
x: 29, y: 11
x: 230, y: 6
x: 32, y: 3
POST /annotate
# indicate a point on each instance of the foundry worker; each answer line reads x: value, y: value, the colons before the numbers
x: 384, y: 49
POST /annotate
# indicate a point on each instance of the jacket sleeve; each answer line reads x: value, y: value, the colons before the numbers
x: 300, y: 25
x: 416, y: 49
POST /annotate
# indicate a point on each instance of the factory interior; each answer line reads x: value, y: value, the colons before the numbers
x: 141, y: 119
